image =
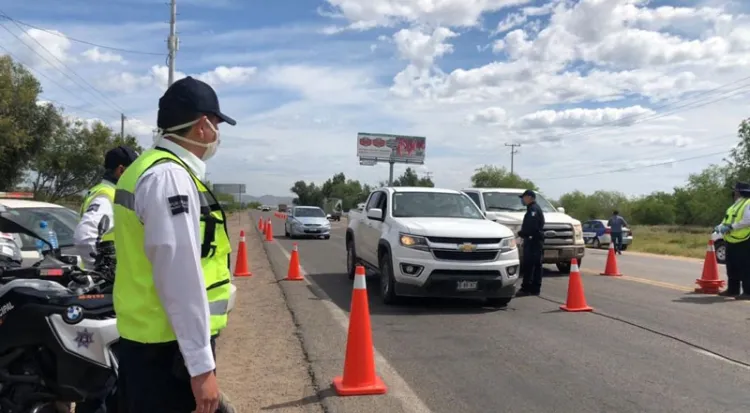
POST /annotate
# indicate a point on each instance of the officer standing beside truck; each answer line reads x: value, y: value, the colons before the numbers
x: 532, y: 234
x: 736, y: 232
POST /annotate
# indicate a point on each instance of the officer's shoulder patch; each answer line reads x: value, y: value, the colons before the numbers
x: 92, y: 208
x: 178, y: 204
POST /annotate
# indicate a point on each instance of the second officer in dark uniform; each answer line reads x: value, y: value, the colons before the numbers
x: 532, y: 233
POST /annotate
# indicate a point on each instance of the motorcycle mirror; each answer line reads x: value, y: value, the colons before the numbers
x: 103, y: 225
x: 9, y: 225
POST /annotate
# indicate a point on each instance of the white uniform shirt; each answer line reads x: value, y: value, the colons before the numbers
x: 745, y: 222
x: 87, y: 229
x: 166, y: 202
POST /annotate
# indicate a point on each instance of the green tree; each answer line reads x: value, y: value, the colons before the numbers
x: 307, y: 194
x: 489, y: 176
x: 410, y: 178
x: 739, y: 158
x: 72, y: 161
x: 25, y: 126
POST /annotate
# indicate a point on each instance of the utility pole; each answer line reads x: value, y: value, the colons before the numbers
x: 172, y: 41
x: 122, y: 126
x: 513, y: 152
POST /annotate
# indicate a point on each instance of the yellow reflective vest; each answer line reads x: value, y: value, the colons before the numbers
x: 140, y: 314
x: 735, y: 213
x: 100, y: 189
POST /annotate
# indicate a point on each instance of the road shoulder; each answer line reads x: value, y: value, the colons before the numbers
x: 260, y: 361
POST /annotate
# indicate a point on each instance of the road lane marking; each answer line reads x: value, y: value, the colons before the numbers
x: 642, y: 281
x: 397, y: 386
x: 721, y: 358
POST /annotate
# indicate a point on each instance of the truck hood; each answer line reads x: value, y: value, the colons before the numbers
x: 455, y: 228
x: 516, y: 218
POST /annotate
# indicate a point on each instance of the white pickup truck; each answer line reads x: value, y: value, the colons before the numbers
x: 429, y: 242
x: 563, y: 235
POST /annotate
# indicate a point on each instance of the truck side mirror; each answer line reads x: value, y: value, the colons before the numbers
x: 561, y: 210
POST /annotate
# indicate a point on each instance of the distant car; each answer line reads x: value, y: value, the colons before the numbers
x: 30, y: 213
x: 265, y: 208
x: 720, y: 246
x: 597, y: 234
x: 307, y: 221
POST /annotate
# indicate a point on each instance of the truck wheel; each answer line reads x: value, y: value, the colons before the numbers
x: 499, y: 302
x: 351, y: 259
x: 564, y: 267
x: 387, y: 283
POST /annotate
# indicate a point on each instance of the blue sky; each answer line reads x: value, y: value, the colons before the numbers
x: 585, y: 86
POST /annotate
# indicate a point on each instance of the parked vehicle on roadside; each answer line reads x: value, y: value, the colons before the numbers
x: 563, y: 235
x: 431, y: 242
x: 307, y: 221
x: 720, y: 246
x: 597, y: 234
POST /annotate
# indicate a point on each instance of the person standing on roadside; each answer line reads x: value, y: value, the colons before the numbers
x: 172, y: 286
x: 98, y: 203
x: 615, y: 224
x: 532, y: 233
x: 735, y: 229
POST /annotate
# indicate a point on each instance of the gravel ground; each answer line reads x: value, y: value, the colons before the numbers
x: 261, y: 365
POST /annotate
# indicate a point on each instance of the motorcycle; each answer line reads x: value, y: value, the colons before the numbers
x: 58, y: 332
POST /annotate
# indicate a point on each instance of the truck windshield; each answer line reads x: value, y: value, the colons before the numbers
x: 309, y: 212
x: 434, y: 205
x: 503, y: 201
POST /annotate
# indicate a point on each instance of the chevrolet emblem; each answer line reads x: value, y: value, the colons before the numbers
x: 467, y: 247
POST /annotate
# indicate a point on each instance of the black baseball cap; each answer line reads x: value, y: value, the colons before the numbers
x: 121, y: 155
x: 186, y: 98
x: 528, y: 192
x: 742, y: 187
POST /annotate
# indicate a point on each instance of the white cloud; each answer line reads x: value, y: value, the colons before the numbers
x: 579, y: 118
x: 158, y: 76
x: 98, y: 56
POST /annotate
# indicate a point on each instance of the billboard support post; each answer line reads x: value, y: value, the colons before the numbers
x: 390, y: 173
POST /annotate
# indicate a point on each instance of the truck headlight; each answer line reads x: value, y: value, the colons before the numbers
x: 413, y: 241
x: 507, y: 244
x: 578, y: 232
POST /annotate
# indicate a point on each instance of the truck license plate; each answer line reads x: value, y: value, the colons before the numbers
x: 550, y: 254
x: 466, y: 285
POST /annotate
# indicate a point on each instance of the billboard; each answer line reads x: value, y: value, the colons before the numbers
x: 378, y: 147
x: 229, y: 188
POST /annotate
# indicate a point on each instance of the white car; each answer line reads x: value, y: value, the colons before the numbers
x: 430, y: 242
x: 307, y: 221
x: 30, y: 213
x: 563, y: 235
x: 597, y: 234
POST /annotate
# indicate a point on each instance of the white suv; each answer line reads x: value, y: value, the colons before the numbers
x: 431, y: 242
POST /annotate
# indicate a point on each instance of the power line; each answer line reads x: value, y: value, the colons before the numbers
x: 105, y: 98
x: 73, y: 39
x: 724, y: 152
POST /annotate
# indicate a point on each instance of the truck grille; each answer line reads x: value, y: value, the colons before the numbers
x: 465, y: 256
x: 556, y: 235
x: 445, y: 240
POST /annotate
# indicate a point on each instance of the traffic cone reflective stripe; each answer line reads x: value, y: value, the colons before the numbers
x: 269, y: 230
x: 576, y: 301
x: 710, y: 282
x: 611, y: 267
x: 359, y: 378
x: 294, y: 273
x: 241, y: 267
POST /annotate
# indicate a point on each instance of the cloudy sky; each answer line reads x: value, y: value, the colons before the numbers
x: 586, y: 87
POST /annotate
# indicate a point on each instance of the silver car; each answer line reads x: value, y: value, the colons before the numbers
x: 307, y: 221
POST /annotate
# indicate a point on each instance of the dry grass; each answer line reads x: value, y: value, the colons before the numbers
x: 671, y: 240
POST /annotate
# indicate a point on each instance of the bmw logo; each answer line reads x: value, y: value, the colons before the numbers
x: 74, y: 314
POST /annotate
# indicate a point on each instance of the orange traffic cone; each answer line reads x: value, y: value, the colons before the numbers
x: 576, y: 301
x: 611, y: 267
x: 261, y: 225
x: 710, y: 283
x: 269, y: 230
x: 359, y: 377
x: 294, y: 273
x: 241, y: 267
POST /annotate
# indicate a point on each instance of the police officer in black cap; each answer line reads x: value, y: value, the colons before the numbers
x: 532, y: 233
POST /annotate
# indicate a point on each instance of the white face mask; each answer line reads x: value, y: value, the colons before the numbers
x: 211, y: 147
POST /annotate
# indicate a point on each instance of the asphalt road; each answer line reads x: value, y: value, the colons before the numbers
x: 650, y: 345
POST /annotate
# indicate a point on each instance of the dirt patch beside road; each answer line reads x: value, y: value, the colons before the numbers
x: 261, y: 365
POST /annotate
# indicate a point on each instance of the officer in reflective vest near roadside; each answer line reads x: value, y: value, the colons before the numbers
x: 172, y: 285
x: 98, y: 203
x: 736, y: 232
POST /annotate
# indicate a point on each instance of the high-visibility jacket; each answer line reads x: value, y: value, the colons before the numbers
x: 735, y: 213
x: 140, y: 314
x: 102, y: 188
